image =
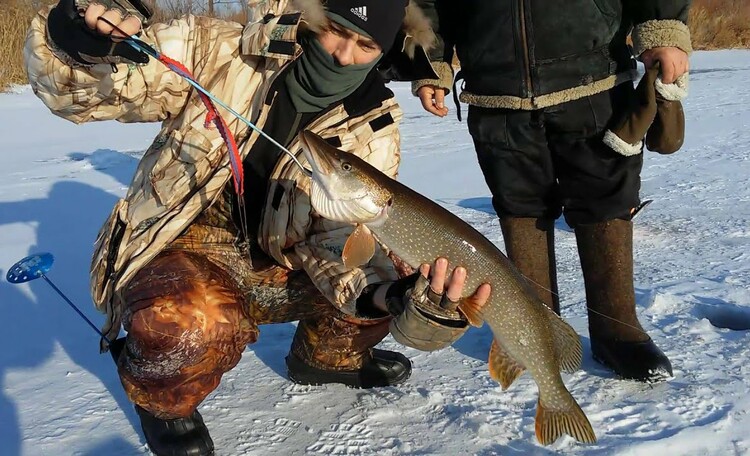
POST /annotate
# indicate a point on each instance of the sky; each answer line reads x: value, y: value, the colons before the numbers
x: 58, y: 395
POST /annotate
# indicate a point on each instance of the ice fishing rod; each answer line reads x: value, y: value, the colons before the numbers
x: 139, y: 45
x: 37, y: 266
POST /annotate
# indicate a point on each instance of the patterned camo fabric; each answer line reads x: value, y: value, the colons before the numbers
x: 186, y: 169
x: 191, y: 311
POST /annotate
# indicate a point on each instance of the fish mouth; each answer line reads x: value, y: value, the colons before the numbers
x: 312, y: 145
x: 334, y: 194
x: 323, y: 170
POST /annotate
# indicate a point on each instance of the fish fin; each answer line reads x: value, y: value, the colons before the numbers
x: 567, y: 343
x: 359, y: 247
x: 503, y: 367
x: 551, y: 424
x: 472, y: 311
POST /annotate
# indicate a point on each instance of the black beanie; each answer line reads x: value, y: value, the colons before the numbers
x: 381, y: 19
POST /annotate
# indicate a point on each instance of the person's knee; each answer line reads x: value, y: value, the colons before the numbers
x: 186, y: 326
x: 163, y: 337
x: 186, y: 307
x: 589, y: 210
x: 541, y: 206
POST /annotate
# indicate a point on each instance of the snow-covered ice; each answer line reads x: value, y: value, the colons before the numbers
x: 59, y: 396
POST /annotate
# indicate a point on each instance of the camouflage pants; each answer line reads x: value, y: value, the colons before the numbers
x: 192, y: 310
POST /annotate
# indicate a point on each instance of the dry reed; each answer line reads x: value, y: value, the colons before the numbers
x: 714, y: 24
x: 720, y: 24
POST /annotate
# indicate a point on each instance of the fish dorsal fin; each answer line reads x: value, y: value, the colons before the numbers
x: 503, y: 367
x: 472, y: 311
x: 567, y: 343
x: 359, y: 247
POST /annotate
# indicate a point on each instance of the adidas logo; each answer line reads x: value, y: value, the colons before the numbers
x: 360, y: 12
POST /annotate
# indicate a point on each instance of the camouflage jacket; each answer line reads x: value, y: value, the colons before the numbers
x: 187, y: 167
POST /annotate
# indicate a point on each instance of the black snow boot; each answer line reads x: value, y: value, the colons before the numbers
x: 617, y: 338
x: 641, y: 361
x: 383, y: 368
x: 177, y: 437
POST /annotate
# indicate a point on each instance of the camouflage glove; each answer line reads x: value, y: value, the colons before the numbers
x: 423, y: 319
x: 68, y: 32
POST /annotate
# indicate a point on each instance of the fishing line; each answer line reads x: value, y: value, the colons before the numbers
x: 615, y: 319
x: 213, y: 116
x: 175, y: 66
x: 587, y: 307
x: 178, y: 68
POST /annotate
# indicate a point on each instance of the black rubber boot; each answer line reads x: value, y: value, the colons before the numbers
x: 384, y: 368
x: 178, y: 437
x: 642, y: 361
x: 618, y: 340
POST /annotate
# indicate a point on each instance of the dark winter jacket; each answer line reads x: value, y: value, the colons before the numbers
x: 529, y: 54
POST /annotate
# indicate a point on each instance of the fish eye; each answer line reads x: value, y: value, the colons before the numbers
x: 346, y: 166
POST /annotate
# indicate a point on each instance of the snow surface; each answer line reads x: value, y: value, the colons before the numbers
x: 59, y: 396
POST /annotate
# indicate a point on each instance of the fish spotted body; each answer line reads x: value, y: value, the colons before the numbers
x: 528, y: 335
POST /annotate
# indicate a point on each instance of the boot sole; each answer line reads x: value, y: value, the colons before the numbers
x: 654, y: 375
x: 635, y: 370
x: 304, y: 374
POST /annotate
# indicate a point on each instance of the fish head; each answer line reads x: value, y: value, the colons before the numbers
x: 344, y: 188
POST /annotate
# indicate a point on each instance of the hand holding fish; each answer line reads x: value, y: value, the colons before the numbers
x: 445, y: 296
x: 528, y: 335
x: 451, y: 294
x: 425, y: 306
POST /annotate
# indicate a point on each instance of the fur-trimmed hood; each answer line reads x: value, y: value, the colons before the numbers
x: 416, y: 28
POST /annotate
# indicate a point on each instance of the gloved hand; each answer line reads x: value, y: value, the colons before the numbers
x: 425, y: 315
x: 667, y: 134
x: 75, y: 28
x: 656, y: 113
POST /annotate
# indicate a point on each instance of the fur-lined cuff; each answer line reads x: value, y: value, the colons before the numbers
x: 661, y: 33
x: 550, y: 99
x: 620, y: 146
x: 675, y: 91
x: 445, y: 81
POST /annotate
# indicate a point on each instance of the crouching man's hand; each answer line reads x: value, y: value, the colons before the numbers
x: 91, y: 31
x: 424, y: 306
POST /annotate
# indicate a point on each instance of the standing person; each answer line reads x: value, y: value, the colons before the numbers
x: 189, y: 265
x: 544, y: 81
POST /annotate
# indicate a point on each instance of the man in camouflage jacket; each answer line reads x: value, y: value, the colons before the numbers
x: 186, y: 266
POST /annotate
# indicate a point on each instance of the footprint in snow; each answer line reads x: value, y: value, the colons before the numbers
x: 726, y: 316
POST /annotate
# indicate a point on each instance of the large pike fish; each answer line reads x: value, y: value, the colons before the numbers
x: 528, y: 336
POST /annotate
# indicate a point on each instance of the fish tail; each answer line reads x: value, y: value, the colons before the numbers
x: 552, y: 423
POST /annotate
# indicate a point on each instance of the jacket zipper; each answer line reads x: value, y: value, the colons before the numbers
x: 525, y: 45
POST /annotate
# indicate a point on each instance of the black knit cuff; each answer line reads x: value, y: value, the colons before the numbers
x: 366, y: 305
